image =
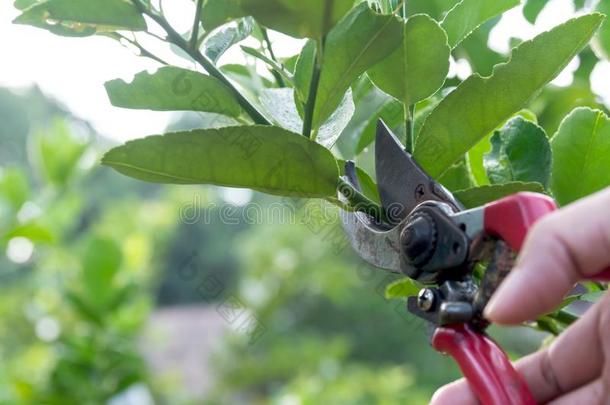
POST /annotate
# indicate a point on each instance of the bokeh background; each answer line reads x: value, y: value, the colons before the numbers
x: 113, y: 291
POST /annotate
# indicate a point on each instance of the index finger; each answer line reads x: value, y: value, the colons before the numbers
x: 566, y: 246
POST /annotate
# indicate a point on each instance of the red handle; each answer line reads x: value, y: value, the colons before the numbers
x: 486, y: 367
x: 511, y: 218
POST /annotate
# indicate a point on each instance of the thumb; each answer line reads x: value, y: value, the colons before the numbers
x: 562, y: 248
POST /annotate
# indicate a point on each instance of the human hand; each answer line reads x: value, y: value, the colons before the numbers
x: 564, y: 247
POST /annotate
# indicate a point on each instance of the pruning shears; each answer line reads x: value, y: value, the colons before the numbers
x: 429, y: 236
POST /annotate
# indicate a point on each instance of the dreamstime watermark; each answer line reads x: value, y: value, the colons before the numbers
x: 228, y: 305
x: 320, y: 217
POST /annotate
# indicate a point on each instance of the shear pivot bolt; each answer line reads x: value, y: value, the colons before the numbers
x: 419, y: 239
x: 425, y: 299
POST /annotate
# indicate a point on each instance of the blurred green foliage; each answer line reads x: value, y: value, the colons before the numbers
x: 107, y: 250
x: 87, y: 256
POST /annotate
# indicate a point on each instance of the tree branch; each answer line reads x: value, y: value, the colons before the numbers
x: 313, y: 90
x: 195, y: 30
x: 206, y: 63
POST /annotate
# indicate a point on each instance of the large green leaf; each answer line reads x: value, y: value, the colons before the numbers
x: 358, y: 42
x: 174, y: 89
x: 480, y: 104
x: 477, y: 196
x: 265, y: 158
x: 520, y: 151
x: 418, y: 68
x: 301, y: 19
x: 581, y: 155
x: 468, y: 15
x: 83, y: 17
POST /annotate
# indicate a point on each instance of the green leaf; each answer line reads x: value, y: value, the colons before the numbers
x: 23, y: 4
x: 476, y: 157
x: 477, y: 196
x: 34, y: 231
x: 468, y: 15
x: 303, y: 72
x: 57, y: 154
x: 14, y: 187
x: 247, y: 78
x: 476, y: 153
x: 83, y: 17
x: 268, y: 159
x: 405, y: 287
x: 458, y: 177
x: 557, y: 102
x: 219, y: 41
x: 482, y: 59
x: 601, y: 43
x: 280, y: 105
x: 479, y: 105
x: 273, y: 64
x: 369, y: 101
x: 100, y: 263
x: 362, y: 39
x: 173, y: 89
x: 434, y: 8
x: 84, y: 308
x: 418, y: 68
x: 300, y: 19
x: 581, y: 155
x: 520, y: 152
x: 392, y: 113
x: 215, y: 13
x: 532, y: 9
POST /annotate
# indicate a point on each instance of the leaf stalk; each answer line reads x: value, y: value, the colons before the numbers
x: 313, y: 90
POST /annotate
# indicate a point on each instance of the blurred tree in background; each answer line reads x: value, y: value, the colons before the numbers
x: 89, y: 258
x: 89, y: 255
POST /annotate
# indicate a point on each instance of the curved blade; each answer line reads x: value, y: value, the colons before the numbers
x: 375, y: 243
x: 402, y: 184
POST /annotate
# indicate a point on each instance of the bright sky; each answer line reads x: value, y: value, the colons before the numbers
x: 73, y: 70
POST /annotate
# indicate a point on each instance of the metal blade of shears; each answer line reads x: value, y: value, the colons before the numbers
x: 402, y: 184
x: 375, y: 243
